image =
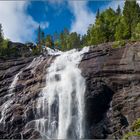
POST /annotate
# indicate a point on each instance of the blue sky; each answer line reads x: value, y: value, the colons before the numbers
x: 20, y: 19
x: 59, y: 15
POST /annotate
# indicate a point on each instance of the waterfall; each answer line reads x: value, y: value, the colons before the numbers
x: 33, y: 65
x: 9, y: 95
x: 61, y: 105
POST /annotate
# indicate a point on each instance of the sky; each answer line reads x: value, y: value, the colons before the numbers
x: 21, y: 19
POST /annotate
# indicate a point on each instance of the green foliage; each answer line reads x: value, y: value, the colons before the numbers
x: 121, y: 29
x: 36, y: 51
x: 42, y: 42
x: 136, y: 32
x: 130, y: 134
x: 4, y: 48
x: 98, y: 14
x: 136, y: 125
x: 57, y: 44
x: 1, y: 35
x: 109, y: 26
x: 49, y: 41
x: 118, y: 11
x: 131, y: 14
x: 104, y: 28
x: 135, y: 130
x: 5, y: 51
x: 118, y: 44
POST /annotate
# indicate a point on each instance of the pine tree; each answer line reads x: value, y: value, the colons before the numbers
x: 1, y: 35
x: 136, y: 33
x: 42, y: 38
x: 98, y: 13
x: 39, y: 36
x: 131, y: 14
x: 118, y: 10
x: 49, y: 41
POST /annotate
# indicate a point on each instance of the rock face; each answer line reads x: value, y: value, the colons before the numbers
x: 113, y: 82
x: 20, y: 49
x: 112, y: 93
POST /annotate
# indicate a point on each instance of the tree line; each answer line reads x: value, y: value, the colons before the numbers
x: 62, y: 41
x: 109, y: 26
x: 116, y: 25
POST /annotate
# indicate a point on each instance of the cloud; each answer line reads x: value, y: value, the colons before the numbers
x: 17, y: 24
x: 44, y: 25
x: 114, y: 4
x: 83, y: 17
x: 138, y: 2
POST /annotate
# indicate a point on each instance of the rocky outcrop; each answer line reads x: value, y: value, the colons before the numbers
x: 112, y: 93
x: 113, y: 82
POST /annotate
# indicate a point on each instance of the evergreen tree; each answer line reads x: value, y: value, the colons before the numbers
x: 1, y: 35
x: 42, y: 38
x: 49, y: 41
x: 121, y: 29
x: 136, y: 33
x: 131, y: 14
x: 64, y: 39
x: 118, y: 10
x: 74, y: 40
x: 104, y: 28
x: 98, y: 14
x: 39, y: 36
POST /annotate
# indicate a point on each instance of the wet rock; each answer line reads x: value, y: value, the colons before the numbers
x: 16, y: 136
x: 17, y: 120
x: 28, y: 133
x: 35, y: 135
x: 112, y: 92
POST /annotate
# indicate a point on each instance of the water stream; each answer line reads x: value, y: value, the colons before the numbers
x: 61, y: 105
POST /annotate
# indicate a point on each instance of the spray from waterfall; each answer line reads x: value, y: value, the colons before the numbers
x: 61, y: 105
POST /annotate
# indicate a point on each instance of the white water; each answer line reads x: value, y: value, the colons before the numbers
x: 8, y: 102
x: 33, y: 65
x: 61, y: 105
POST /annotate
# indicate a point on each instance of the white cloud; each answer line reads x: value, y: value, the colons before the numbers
x: 44, y: 25
x: 17, y: 24
x: 83, y: 16
x: 114, y: 4
x: 138, y: 2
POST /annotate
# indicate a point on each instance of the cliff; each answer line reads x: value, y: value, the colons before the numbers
x: 112, y: 92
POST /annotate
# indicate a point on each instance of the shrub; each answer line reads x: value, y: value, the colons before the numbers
x: 136, y: 124
x: 4, y: 50
x: 118, y: 44
x: 135, y: 130
x: 130, y: 134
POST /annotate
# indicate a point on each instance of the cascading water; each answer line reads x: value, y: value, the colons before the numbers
x: 33, y: 65
x: 61, y: 105
x: 8, y: 102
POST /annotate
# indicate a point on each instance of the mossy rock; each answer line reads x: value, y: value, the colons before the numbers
x: 136, y: 125
x: 129, y: 135
x: 135, y: 131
